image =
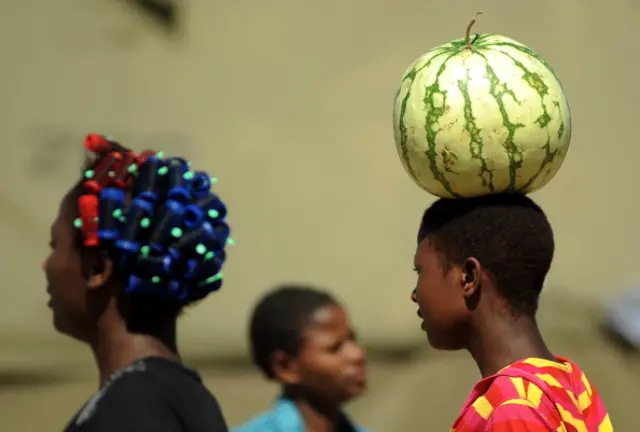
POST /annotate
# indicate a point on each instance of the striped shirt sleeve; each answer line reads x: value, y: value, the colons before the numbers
x: 517, y: 415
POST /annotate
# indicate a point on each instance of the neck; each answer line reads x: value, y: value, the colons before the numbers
x: 317, y: 417
x: 116, y: 346
x: 505, y: 341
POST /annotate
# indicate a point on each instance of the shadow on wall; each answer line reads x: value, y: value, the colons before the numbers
x: 164, y: 12
x: 50, y: 147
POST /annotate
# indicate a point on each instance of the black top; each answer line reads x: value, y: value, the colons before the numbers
x: 151, y: 395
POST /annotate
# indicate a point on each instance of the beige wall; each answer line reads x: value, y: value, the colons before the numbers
x: 289, y: 103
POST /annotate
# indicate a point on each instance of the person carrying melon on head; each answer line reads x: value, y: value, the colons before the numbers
x: 136, y: 240
x: 480, y: 122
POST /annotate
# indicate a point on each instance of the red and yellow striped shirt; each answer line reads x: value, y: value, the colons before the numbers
x: 534, y: 395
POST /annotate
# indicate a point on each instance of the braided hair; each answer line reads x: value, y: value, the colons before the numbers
x: 155, y: 218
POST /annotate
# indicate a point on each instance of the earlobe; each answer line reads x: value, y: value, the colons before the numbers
x: 100, y: 274
x: 471, y: 276
x: 285, y: 368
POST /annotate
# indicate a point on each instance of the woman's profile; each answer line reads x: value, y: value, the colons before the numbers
x: 136, y: 239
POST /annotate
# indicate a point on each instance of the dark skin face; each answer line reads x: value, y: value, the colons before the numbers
x: 84, y: 299
x: 331, y: 366
x: 461, y: 308
x: 77, y: 283
x: 446, y: 296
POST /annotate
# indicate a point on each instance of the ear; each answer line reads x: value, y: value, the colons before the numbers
x: 285, y: 368
x: 98, y: 269
x: 471, y: 277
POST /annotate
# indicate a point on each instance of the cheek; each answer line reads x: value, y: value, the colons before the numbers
x: 426, y: 292
x: 52, y: 265
x: 435, y: 295
x: 62, y: 269
x: 323, y: 366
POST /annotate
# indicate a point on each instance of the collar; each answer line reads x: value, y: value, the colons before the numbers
x: 288, y: 418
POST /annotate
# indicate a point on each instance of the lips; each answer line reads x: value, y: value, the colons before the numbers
x: 359, y: 376
x: 422, y: 318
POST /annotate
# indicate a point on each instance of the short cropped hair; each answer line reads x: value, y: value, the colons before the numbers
x: 508, y: 233
x: 279, y: 319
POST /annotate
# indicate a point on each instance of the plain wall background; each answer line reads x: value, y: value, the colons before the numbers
x: 289, y: 104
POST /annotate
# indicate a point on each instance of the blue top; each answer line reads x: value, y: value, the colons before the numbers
x: 284, y: 416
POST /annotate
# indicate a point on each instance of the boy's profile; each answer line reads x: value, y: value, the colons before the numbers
x: 481, y: 264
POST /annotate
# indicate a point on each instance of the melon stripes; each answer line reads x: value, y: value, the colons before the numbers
x: 487, y: 120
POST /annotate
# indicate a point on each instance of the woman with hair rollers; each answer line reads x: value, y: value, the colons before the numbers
x: 136, y: 240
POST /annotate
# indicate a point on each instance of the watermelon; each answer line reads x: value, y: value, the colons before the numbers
x: 481, y: 115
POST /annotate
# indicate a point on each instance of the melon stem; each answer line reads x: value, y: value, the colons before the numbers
x: 473, y: 21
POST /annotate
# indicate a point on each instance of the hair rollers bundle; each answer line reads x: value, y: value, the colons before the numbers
x: 157, y: 219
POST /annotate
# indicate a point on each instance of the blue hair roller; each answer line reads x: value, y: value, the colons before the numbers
x: 222, y: 233
x: 149, y: 266
x: 127, y: 243
x: 212, y: 283
x: 135, y: 284
x: 199, y: 241
x: 148, y: 174
x: 193, y: 267
x: 110, y: 210
x: 137, y: 210
x: 176, y: 291
x: 178, y: 183
x: 175, y: 266
x: 170, y: 219
x: 128, y: 250
x: 208, y: 270
x: 171, y: 263
x: 169, y: 289
x: 193, y: 216
x: 201, y: 184
x: 213, y: 207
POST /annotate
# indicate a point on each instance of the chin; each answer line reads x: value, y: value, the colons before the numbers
x: 63, y: 327
x: 443, y: 343
x: 354, y: 391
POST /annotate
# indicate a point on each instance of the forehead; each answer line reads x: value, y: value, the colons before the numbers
x: 61, y: 225
x: 327, y: 317
x: 425, y: 250
x: 326, y: 321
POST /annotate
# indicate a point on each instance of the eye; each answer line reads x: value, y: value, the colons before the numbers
x: 336, y: 347
x: 416, y: 269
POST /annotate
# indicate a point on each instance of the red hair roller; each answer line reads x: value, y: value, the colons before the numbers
x: 100, y: 177
x: 121, y: 170
x: 88, y: 211
x: 97, y: 144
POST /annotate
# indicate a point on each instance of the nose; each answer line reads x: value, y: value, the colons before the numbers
x: 357, y: 354
x: 414, y: 298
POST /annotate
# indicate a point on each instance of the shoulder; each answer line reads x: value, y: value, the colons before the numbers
x: 123, y: 390
x: 271, y: 421
x: 265, y: 421
x: 137, y: 399
x: 124, y: 403
x: 505, y: 399
x: 518, y: 415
